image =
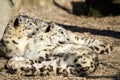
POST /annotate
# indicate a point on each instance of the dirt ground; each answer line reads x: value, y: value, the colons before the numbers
x: 106, y: 29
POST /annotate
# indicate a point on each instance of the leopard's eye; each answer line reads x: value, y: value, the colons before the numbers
x: 61, y: 31
x: 30, y: 23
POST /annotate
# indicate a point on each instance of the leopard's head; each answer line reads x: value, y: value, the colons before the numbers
x: 23, y: 25
x: 57, y: 33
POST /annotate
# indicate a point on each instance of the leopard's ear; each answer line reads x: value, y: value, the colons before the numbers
x: 50, y: 27
x: 16, y: 23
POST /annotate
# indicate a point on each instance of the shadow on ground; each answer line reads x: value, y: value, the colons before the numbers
x: 112, y: 77
x: 97, y: 8
x: 109, y: 33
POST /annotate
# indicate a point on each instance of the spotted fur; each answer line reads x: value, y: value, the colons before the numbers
x: 40, y: 48
x: 67, y: 59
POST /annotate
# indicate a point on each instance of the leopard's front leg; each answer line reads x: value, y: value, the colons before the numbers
x: 21, y: 65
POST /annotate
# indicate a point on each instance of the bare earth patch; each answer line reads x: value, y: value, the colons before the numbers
x: 106, y: 29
